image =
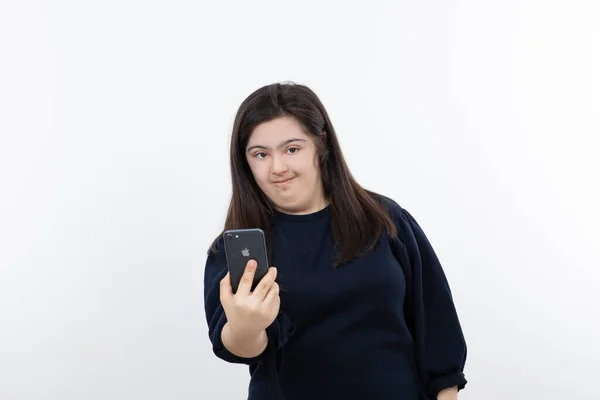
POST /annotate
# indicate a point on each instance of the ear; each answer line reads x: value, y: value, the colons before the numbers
x: 324, y: 137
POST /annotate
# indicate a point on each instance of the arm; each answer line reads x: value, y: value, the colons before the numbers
x: 448, y: 394
x: 241, y: 345
x: 430, y: 312
x: 230, y: 340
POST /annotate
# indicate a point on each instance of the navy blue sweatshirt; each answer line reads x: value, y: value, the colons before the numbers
x: 380, y: 327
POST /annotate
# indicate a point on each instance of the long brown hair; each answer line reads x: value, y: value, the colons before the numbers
x: 359, y: 217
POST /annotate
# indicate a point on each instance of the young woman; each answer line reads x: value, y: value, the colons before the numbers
x: 356, y: 305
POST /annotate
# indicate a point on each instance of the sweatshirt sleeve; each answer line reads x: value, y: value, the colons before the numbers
x: 430, y: 312
x: 215, y: 270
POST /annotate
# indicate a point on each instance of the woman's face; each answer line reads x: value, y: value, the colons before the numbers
x: 284, y: 162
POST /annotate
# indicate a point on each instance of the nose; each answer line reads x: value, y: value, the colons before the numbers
x: 278, y: 166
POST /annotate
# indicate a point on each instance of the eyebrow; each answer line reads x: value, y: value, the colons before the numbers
x: 282, y: 144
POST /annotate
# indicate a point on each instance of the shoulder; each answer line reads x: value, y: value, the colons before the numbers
x: 216, y: 251
x: 215, y: 266
x: 405, y: 223
x: 393, y: 208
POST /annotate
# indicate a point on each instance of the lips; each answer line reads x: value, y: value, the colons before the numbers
x: 283, y: 182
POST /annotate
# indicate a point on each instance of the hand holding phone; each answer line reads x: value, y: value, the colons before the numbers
x: 249, y: 293
x: 250, y: 312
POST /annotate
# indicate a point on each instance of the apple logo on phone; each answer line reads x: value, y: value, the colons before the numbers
x: 246, y: 252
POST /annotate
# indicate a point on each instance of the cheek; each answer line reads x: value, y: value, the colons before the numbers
x: 304, y: 165
x: 260, y: 172
x: 312, y: 166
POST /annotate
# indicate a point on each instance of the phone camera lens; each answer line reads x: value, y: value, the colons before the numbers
x: 229, y: 236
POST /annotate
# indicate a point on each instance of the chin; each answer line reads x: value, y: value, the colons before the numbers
x: 288, y: 205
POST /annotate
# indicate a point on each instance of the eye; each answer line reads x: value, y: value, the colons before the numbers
x: 261, y: 155
x: 293, y: 150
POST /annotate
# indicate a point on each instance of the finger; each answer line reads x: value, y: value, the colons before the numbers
x: 265, y: 284
x: 273, y: 294
x: 247, y: 278
x: 225, y: 289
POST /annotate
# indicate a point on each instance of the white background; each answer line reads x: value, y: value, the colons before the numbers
x: 480, y: 117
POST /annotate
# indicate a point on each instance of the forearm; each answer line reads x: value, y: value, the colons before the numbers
x: 243, y: 345
x: 448, y: 394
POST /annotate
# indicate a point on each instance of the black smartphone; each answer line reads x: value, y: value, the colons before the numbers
x: 241, y: 246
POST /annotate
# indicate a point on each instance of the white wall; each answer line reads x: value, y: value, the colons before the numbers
x: 480, y: 117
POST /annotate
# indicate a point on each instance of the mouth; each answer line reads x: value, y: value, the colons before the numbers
x: 284, y: 182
